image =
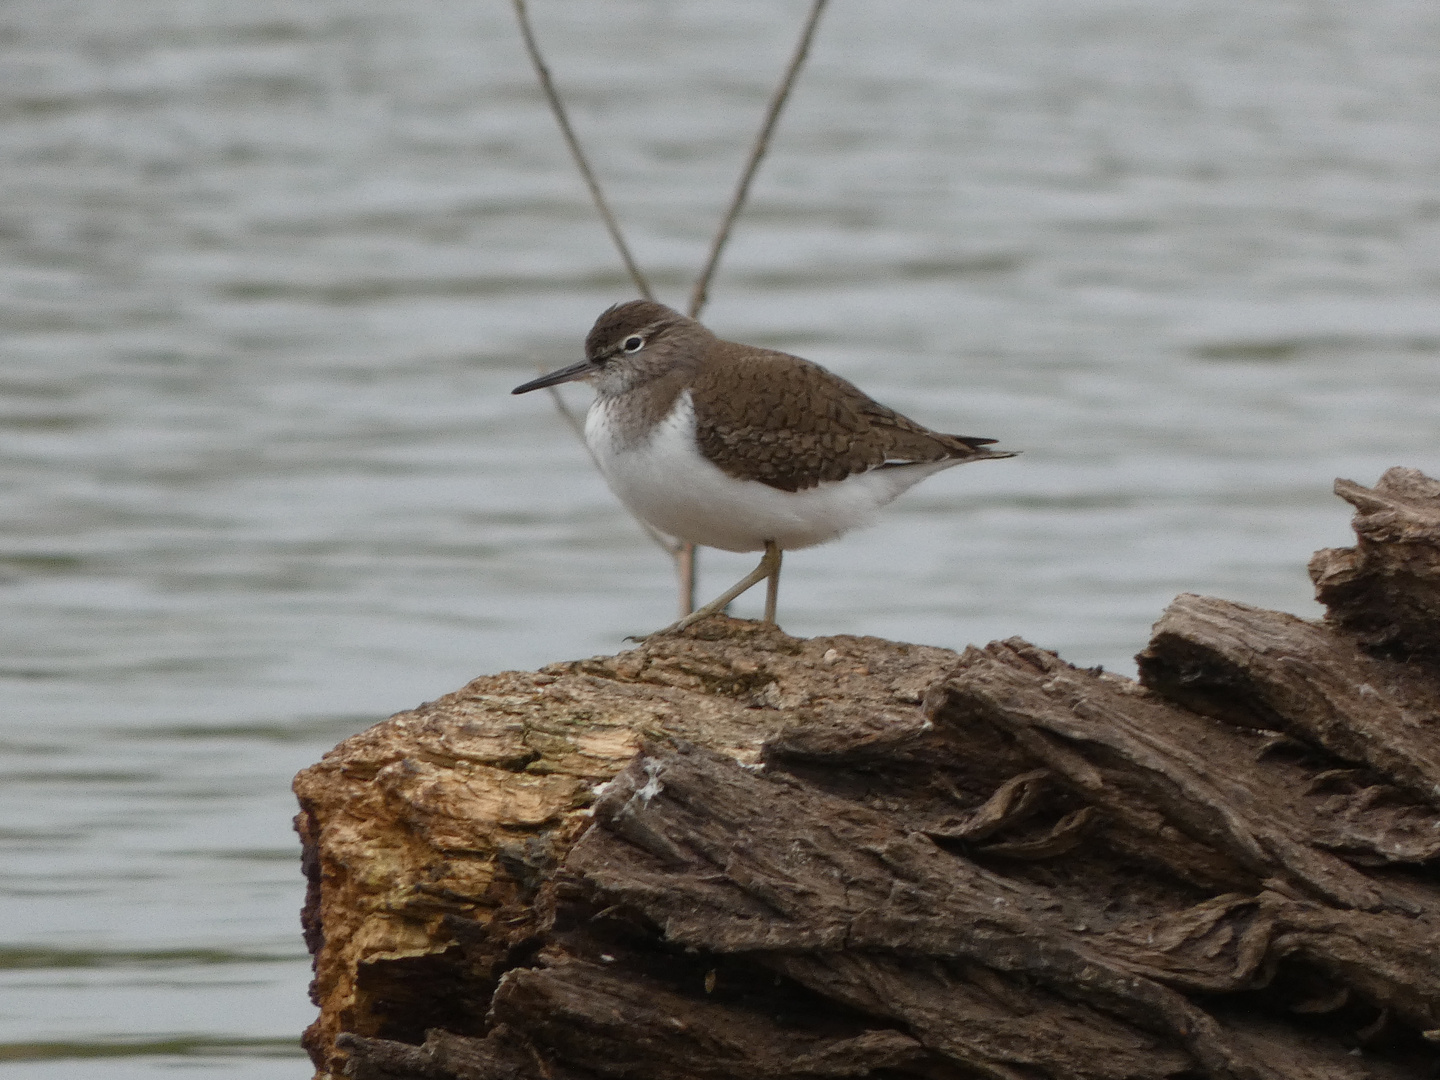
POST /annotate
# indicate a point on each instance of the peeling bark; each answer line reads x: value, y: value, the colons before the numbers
x: 1386, y: 589
x: 1267, y: 670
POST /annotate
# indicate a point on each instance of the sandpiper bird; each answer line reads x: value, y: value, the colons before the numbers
x: 741, y: 448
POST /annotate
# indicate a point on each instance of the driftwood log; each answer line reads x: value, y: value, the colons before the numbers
x: 735, y: 854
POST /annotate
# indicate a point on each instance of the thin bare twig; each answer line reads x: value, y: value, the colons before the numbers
x: 562, y: 118
x: 757, y: 153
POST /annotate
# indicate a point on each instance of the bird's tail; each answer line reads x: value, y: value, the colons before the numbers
x: 971, y: 448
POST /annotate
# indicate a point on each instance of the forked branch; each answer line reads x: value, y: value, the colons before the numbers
x: 683, y: 553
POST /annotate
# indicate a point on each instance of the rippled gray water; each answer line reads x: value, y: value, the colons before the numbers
x: 268, y: 271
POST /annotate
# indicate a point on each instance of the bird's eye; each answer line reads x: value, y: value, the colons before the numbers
x: 633, y: 344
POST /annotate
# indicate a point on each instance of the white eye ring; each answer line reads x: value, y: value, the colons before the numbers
x: 633, y: 344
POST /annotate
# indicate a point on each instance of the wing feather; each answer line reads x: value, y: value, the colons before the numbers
x: 791, y: 424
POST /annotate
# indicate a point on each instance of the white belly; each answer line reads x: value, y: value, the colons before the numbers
x: 666, y: 482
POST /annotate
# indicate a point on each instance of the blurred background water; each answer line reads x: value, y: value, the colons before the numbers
x: 269, y: 270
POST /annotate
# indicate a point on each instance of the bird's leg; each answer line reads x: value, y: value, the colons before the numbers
x: 685, y: 565
x: 769, y: 565
x: 772, y: 585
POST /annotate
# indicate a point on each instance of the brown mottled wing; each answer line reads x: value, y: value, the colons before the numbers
x: 786, y: 422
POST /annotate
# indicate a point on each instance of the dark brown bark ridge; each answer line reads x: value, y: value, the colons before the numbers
x: 736, y: 854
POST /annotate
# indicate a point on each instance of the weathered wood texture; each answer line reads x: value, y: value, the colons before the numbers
x: 736, y: 854
x: 1269, y: 671
x: 1386, y: 589
x: 427, y: 837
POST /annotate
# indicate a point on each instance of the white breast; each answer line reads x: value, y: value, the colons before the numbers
x: 664, y: 480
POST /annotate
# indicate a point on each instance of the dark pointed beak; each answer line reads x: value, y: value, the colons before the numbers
x: 555, y: 378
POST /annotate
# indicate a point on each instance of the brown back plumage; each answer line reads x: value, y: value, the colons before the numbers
x: 789, y: 423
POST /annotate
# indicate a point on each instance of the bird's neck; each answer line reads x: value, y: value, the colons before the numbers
x: 631, y: 415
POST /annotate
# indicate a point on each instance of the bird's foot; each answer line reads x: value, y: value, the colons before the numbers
x: 691, y: 620
x: 680, y: 624
x: 769, y: 568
